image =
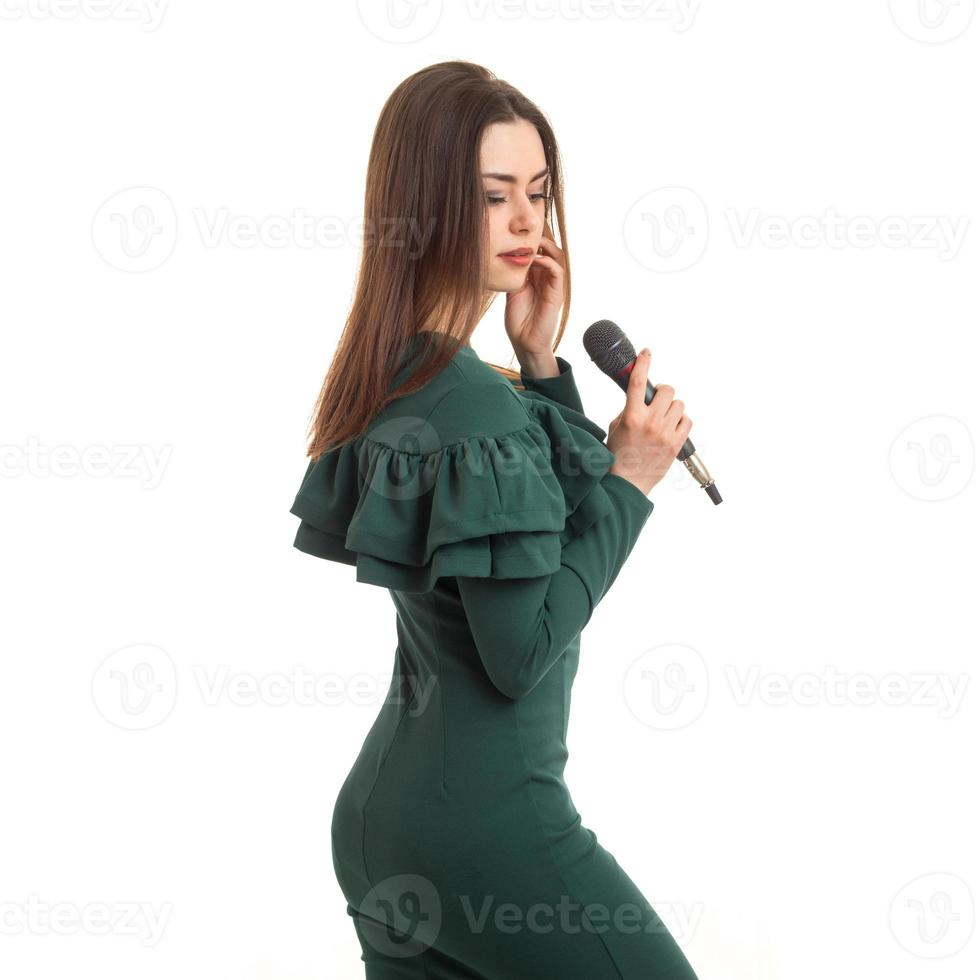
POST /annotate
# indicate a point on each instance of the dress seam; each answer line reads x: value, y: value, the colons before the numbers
x: 447, y: 445
x: 374, y: 786
x: 434, y: 624
x: 554, y: 859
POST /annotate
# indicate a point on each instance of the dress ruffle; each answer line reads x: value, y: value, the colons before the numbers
x: 485, y: 506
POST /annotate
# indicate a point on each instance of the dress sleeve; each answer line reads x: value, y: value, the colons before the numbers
x: 561, y: 389
x: 522, y: 626
x: 479, y: 480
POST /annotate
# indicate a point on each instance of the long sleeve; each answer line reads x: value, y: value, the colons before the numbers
x: 561, y: 388
x: 521, y: 626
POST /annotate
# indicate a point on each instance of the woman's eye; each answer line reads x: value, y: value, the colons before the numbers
x: 501, y: 200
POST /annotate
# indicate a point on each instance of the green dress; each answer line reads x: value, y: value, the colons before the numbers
x: 491, y: 517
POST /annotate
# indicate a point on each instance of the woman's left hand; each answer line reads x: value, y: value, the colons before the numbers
x: 531, y: 312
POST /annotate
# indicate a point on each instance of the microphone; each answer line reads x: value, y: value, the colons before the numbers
x: 611, y: 352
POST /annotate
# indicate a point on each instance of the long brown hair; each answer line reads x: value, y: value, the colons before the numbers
x: 425, y: 221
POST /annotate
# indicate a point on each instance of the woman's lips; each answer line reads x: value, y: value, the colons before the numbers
x: 518, y: 259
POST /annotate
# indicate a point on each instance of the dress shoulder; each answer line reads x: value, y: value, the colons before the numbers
x: 465, y: 477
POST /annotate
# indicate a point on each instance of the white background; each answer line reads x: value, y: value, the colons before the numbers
x: 796, y: 795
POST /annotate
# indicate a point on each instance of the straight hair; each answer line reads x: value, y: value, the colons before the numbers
x: 424, y: 252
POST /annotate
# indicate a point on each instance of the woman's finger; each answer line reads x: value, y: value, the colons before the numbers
x: 552, y: 251
x: 636, y: 386
x: 556, y: 269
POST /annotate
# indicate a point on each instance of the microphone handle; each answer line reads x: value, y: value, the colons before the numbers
x: 688, y: 455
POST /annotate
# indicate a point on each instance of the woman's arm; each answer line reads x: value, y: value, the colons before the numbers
x: 522, y: 626
x: 560, y: 388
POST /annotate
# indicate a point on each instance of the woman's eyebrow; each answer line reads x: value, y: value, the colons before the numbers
x: 511, y: 179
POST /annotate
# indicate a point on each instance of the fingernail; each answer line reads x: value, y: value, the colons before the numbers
x: 646, y: 350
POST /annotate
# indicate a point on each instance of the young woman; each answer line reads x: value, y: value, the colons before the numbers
x: 489, y: 506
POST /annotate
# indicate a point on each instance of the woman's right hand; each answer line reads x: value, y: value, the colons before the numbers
x: 646, y: 438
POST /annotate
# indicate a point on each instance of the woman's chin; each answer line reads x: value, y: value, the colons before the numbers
x: 507, y: 283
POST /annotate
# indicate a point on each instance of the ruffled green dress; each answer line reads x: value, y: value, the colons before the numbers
x: 491, y: 517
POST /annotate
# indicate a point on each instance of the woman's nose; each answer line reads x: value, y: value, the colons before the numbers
x: 524, y: 217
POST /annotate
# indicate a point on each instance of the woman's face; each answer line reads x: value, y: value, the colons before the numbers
x: 515, y: 181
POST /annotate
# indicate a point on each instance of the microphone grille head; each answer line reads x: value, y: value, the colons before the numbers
x: 608, y: 346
